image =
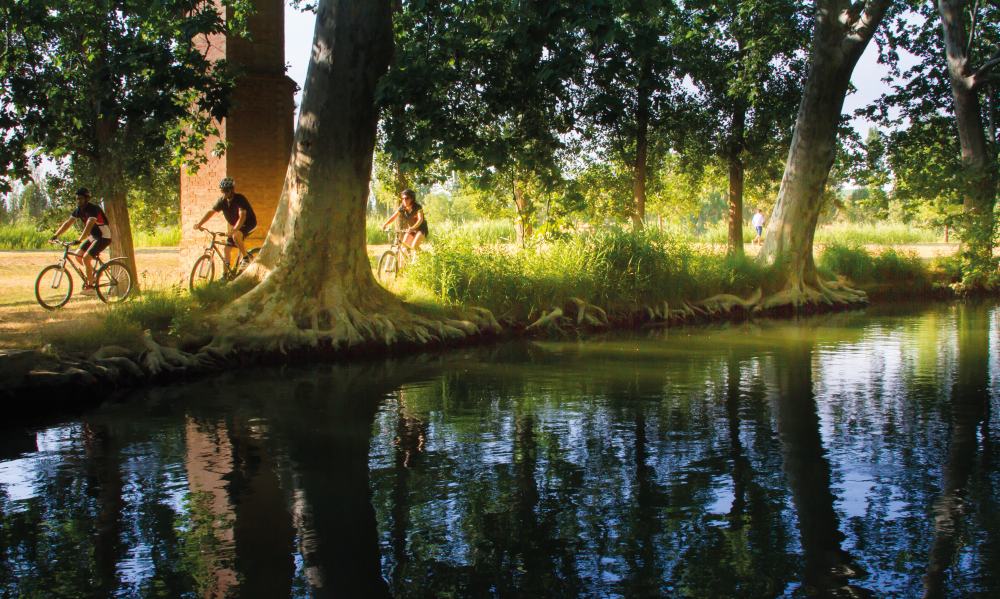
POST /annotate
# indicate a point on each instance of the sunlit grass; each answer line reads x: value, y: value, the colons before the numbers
x: 27, y: 236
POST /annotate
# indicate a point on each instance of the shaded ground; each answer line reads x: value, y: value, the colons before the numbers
x: 24, y: 324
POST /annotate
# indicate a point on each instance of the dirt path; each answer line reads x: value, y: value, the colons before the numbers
x: 23, y: 323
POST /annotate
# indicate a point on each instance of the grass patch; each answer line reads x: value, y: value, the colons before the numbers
x: 853, y: 234
x: 26, y: 236
x: 23, y: 236
x: 619, y: 270
x: 889, y: 268
x: 159, y: 237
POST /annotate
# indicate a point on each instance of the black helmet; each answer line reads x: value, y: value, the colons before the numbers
x: 83, y: 191
x: 227, y: 183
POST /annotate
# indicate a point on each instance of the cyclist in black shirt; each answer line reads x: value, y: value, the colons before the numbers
x: 411, y: 219
x: 239, y: 216
x: 95, y: 226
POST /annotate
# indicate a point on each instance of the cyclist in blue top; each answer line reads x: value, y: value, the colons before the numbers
x: 95, y: 226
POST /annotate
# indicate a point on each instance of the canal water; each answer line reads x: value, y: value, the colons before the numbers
x: 849, y: 453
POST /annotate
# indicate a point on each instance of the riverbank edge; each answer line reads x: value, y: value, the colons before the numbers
x: 38, y: 383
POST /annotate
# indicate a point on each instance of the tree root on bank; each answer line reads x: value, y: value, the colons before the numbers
x: 801, y: 295
x: 266, y: 323
x: 575, y: 312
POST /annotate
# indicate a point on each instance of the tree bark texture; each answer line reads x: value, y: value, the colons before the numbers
x: 736, y: 178
x: 313, y: 278
x: 641, y: 147
x: 840, y: 35
x: 980, y: 170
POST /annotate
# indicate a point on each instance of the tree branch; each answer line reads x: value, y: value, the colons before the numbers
x: 972, y: 27
x: 861, y: 29
x: 979, y: 77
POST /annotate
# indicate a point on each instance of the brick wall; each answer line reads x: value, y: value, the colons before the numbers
x: 258, y: 129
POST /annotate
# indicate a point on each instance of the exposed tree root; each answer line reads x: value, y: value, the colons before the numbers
x: 801, y: 296
x: 575, y: 312
x: 725, y: 303
x: 268, y: 321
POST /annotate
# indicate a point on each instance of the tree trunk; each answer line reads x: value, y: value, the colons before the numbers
x: 980, y: 171
x: 112, y: 186
x: 314, y: 283
x: 839, y: 38
x: 641, y: 147
x: 736, y: 177
x: 523, y: 207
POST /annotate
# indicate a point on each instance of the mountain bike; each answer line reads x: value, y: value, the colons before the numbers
x: 203, y: 271
x: 54, y: 285
x: 394, y: 259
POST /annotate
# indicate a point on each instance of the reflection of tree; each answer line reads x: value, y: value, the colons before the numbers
x: 263, y: 533
x: 969, y: 409
x: 828, y: 567
x: 328, y: 436
x: 102, y: 452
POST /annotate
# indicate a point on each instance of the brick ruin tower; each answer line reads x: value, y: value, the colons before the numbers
x: 259, y: 130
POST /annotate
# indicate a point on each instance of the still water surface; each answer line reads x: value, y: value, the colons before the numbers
x: 846, y: 453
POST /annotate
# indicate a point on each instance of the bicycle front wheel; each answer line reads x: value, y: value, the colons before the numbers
x: 203, y: 272
x: 53, y: 287
x: 114, y: 282
x: 388, y: 267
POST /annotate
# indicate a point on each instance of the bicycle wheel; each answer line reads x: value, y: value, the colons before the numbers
x: 203, y: 272
x: 53, y: 287
x: 114, y: 282
x: 387, y: 267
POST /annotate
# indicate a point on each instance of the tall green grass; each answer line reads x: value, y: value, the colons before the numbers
x: 619, y: 270
x: 849, y: 234
x: 475, y: 231
x: 26, y: 236
x: 886, y: 268
x: 23, y: 236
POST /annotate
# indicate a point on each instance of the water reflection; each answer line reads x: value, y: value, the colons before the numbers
x: 843, y: 456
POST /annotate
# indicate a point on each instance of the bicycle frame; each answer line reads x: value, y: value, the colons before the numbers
x: 79, y: 272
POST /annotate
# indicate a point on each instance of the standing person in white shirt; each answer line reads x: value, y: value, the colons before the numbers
x: 758, y: 225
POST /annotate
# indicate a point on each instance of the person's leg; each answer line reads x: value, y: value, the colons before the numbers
x: 408, y: 238
x: 418, y: 238
x: 238, y: 240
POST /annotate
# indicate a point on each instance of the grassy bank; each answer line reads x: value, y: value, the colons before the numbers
x: 622, y: 272
x: 26, y: 236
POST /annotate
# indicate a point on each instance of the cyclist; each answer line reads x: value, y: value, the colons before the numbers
x: 239, y: 216
x: 95, y: 226
x: 410, y: 217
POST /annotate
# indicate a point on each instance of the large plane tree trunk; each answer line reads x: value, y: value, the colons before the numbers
x: 980, y: 170
x: 314, y: 283
x: 842, y: 30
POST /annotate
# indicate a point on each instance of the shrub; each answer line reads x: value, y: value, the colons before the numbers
x: 886, y: 267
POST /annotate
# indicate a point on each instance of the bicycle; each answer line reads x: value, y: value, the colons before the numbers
x: 203, y: 271
x: 54, y: 285
x: 394, y: 259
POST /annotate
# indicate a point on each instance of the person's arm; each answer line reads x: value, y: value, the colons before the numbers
x: 418, y: 222
x: 240, y: 220
x: 87, y: 228
x: 204, y: 220
x: 62, y: 228
x: 389, y: 221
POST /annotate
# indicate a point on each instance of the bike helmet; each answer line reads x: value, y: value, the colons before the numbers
x: 227, y: 183
x: 83, y: 191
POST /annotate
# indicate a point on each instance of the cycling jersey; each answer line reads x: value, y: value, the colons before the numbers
x: 101, y: 229
x: 231, y: 210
